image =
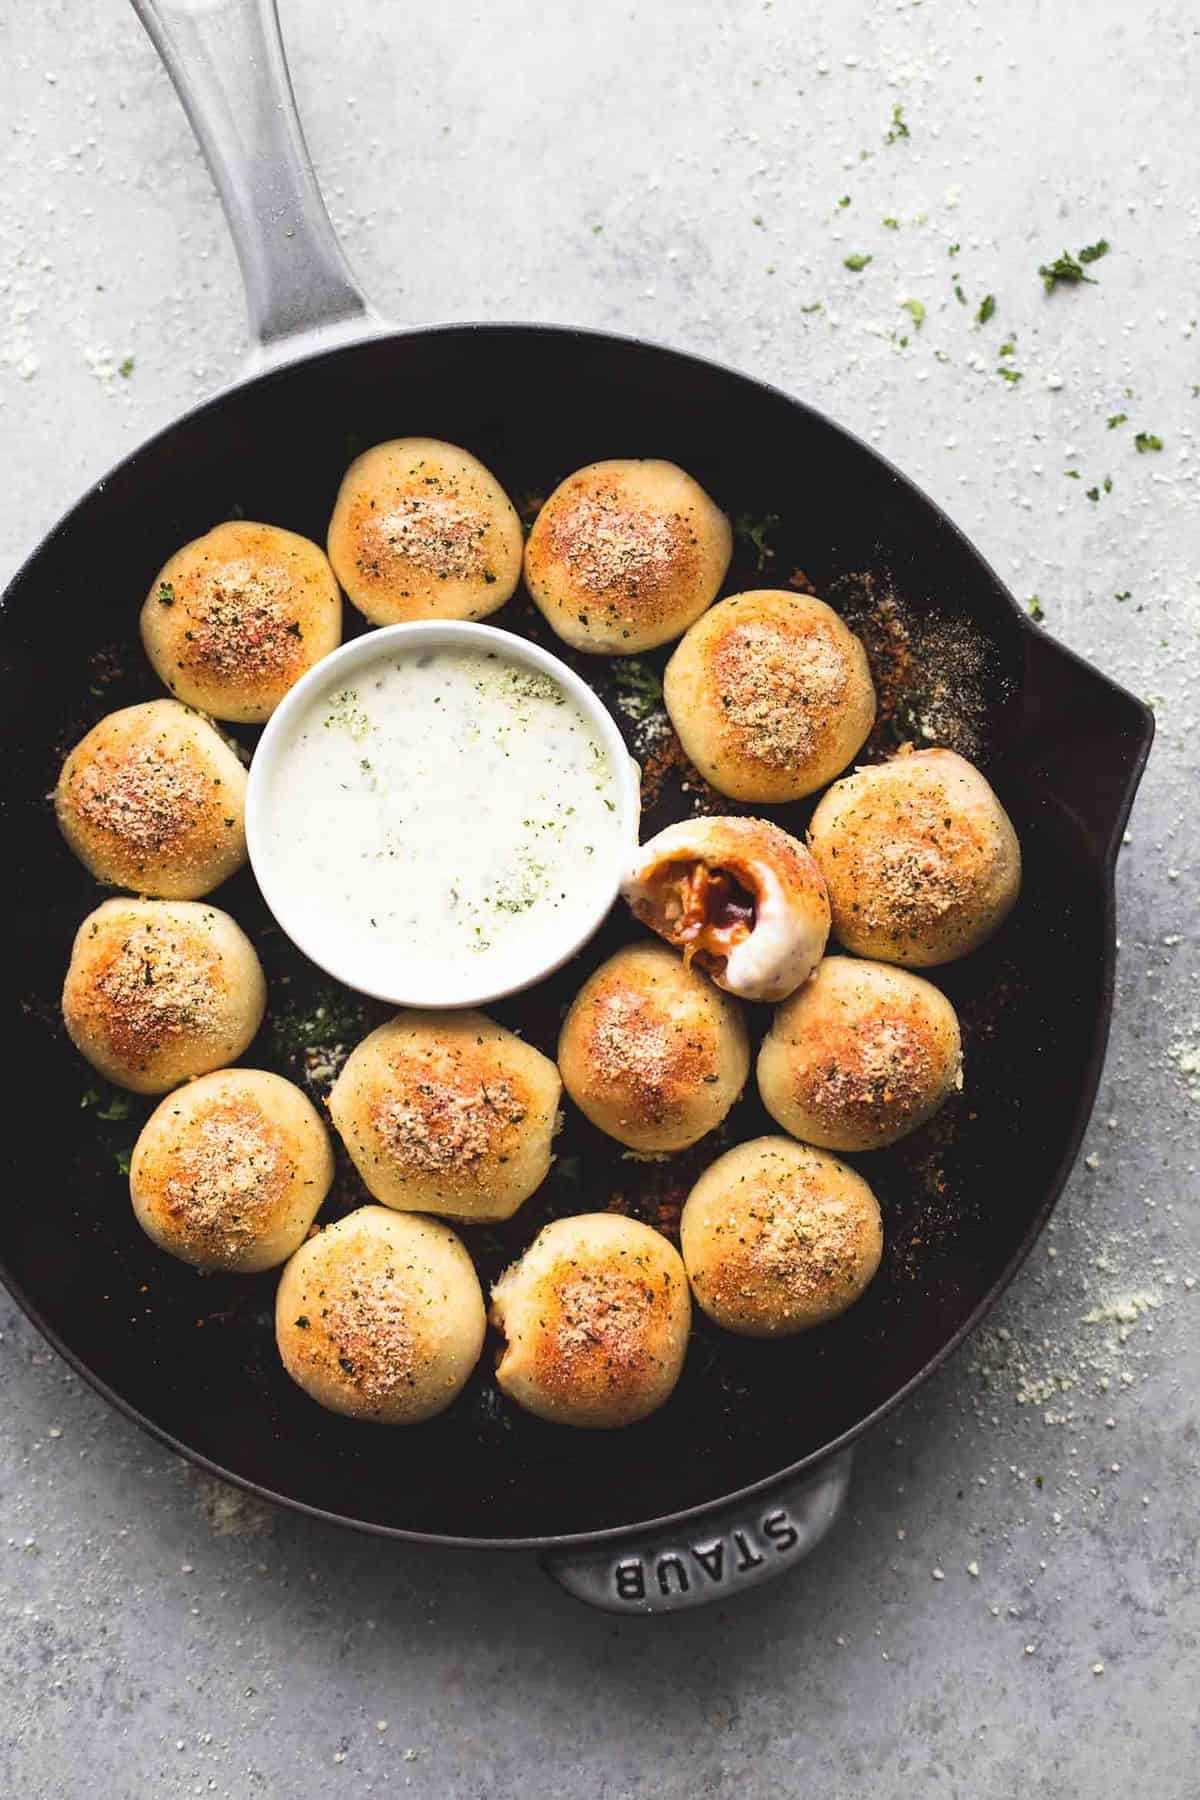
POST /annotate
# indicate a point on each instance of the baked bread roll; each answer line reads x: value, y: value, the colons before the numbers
x: 859, y: 1056
x: 625, y: 554
x: 740, y: 897
x: 447, y: 1112
x: 236, y: 617
x: 380, y: 1317
x: 153, y: 799
x: 778, y: 1237
x: 770, y: 695
x: 651, y: 1051
x: 596, y: 1316
x: 921, y: 859
x: 421, y: 530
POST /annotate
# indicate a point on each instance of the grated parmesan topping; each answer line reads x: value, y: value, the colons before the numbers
x: 437, y: 1123
x: 369, y: 1327
x: 226, y: 1175
x: 777, y: 687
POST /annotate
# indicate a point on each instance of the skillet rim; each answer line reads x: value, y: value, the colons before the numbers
x: 1085, y: 1099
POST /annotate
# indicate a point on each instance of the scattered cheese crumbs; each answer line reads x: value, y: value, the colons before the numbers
x: 1097, y: 1668
x: 973, y: 1570
x: 938, y: 1574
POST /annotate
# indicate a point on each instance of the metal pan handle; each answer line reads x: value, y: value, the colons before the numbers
x: 227, y: 61
x: 716, y: 1557
x: 1085, y: 737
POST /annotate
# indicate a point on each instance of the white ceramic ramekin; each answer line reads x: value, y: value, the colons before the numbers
x: 346, y: 961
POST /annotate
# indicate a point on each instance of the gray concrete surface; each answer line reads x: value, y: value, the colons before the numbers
x: 1010, y: 1607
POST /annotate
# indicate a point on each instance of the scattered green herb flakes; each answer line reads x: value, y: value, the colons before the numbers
x: 915, y: 310
x: 125, y: 368
x: 953, y: 249
x: 638, y: 685
x: 1115, y: 419
x: 1123, y: 595
x: 987, y: 308
x: 1093, y: 493
x: 122, y: 1158
x: 1068, y: 270
x: 857, y: 262
x: 897, y: 129
x: 1148, y: 440
x: 752, y: 529
x: 335, y: 1017
x: 166, y: 594
x: 596, y: 230
x: 1035, y: 609
x: 113, y: 1106
x: 758, y: 220
x: 1012, y: 376
x: 1008, y: 347
x: 1071, y: 474
x: 958, y: 294
x: 1106, y: 484
x: 845, y: 200
x: 345, y: 712
x: 890, y: 222
x: 814, y: 306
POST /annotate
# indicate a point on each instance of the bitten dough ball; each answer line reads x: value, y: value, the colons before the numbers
x: 160, y: 990
x: 859, y: 1056
x: 448, y: 1113
x: 237, y: 616
x: 778, y: 1237
x: 651, y: 1051
x: 739, y: 896
x: 153, y: 799
x: 921, y: 859
x: 380, y: 1317
x: 624, y: 555
x: 421, y: 530
x: 770, y: 695
x: 596, y: 1317
x: 230, y: 1171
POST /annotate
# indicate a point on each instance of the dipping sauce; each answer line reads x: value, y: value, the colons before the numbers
x: 448, y: 815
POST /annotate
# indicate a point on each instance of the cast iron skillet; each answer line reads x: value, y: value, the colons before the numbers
x: 747, y: 1465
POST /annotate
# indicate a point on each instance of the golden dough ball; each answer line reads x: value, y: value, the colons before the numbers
x: 921, y: 859
x: 625, y: 554
x: 380, y: 1317
x: 596, y: 1317
x: 447, y: 1112
x: 770, y: 695
x: 859, y: 1056
x: 237, y: 616
x: 160, y: 990
x: 778, y: 1237
x: 651, y: 1051
x: 229, y: 1171
x: 153, y: 799
x: 421, y: 530
x: 740, y: 897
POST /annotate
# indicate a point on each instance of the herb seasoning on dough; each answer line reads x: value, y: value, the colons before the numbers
x: 450, y: 811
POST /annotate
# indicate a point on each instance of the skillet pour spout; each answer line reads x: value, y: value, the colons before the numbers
x: 747, y: 1465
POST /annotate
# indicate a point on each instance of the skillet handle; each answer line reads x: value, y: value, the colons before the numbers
x: 723, y: 1554
x: 1085, y: 738
x: 227, y: 61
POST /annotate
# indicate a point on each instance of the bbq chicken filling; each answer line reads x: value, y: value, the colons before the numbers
x: 705, y: 911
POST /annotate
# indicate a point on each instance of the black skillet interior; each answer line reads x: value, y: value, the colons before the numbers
x: 195, y: 1357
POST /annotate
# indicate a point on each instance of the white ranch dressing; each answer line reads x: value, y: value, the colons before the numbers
x: 447, y: 814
